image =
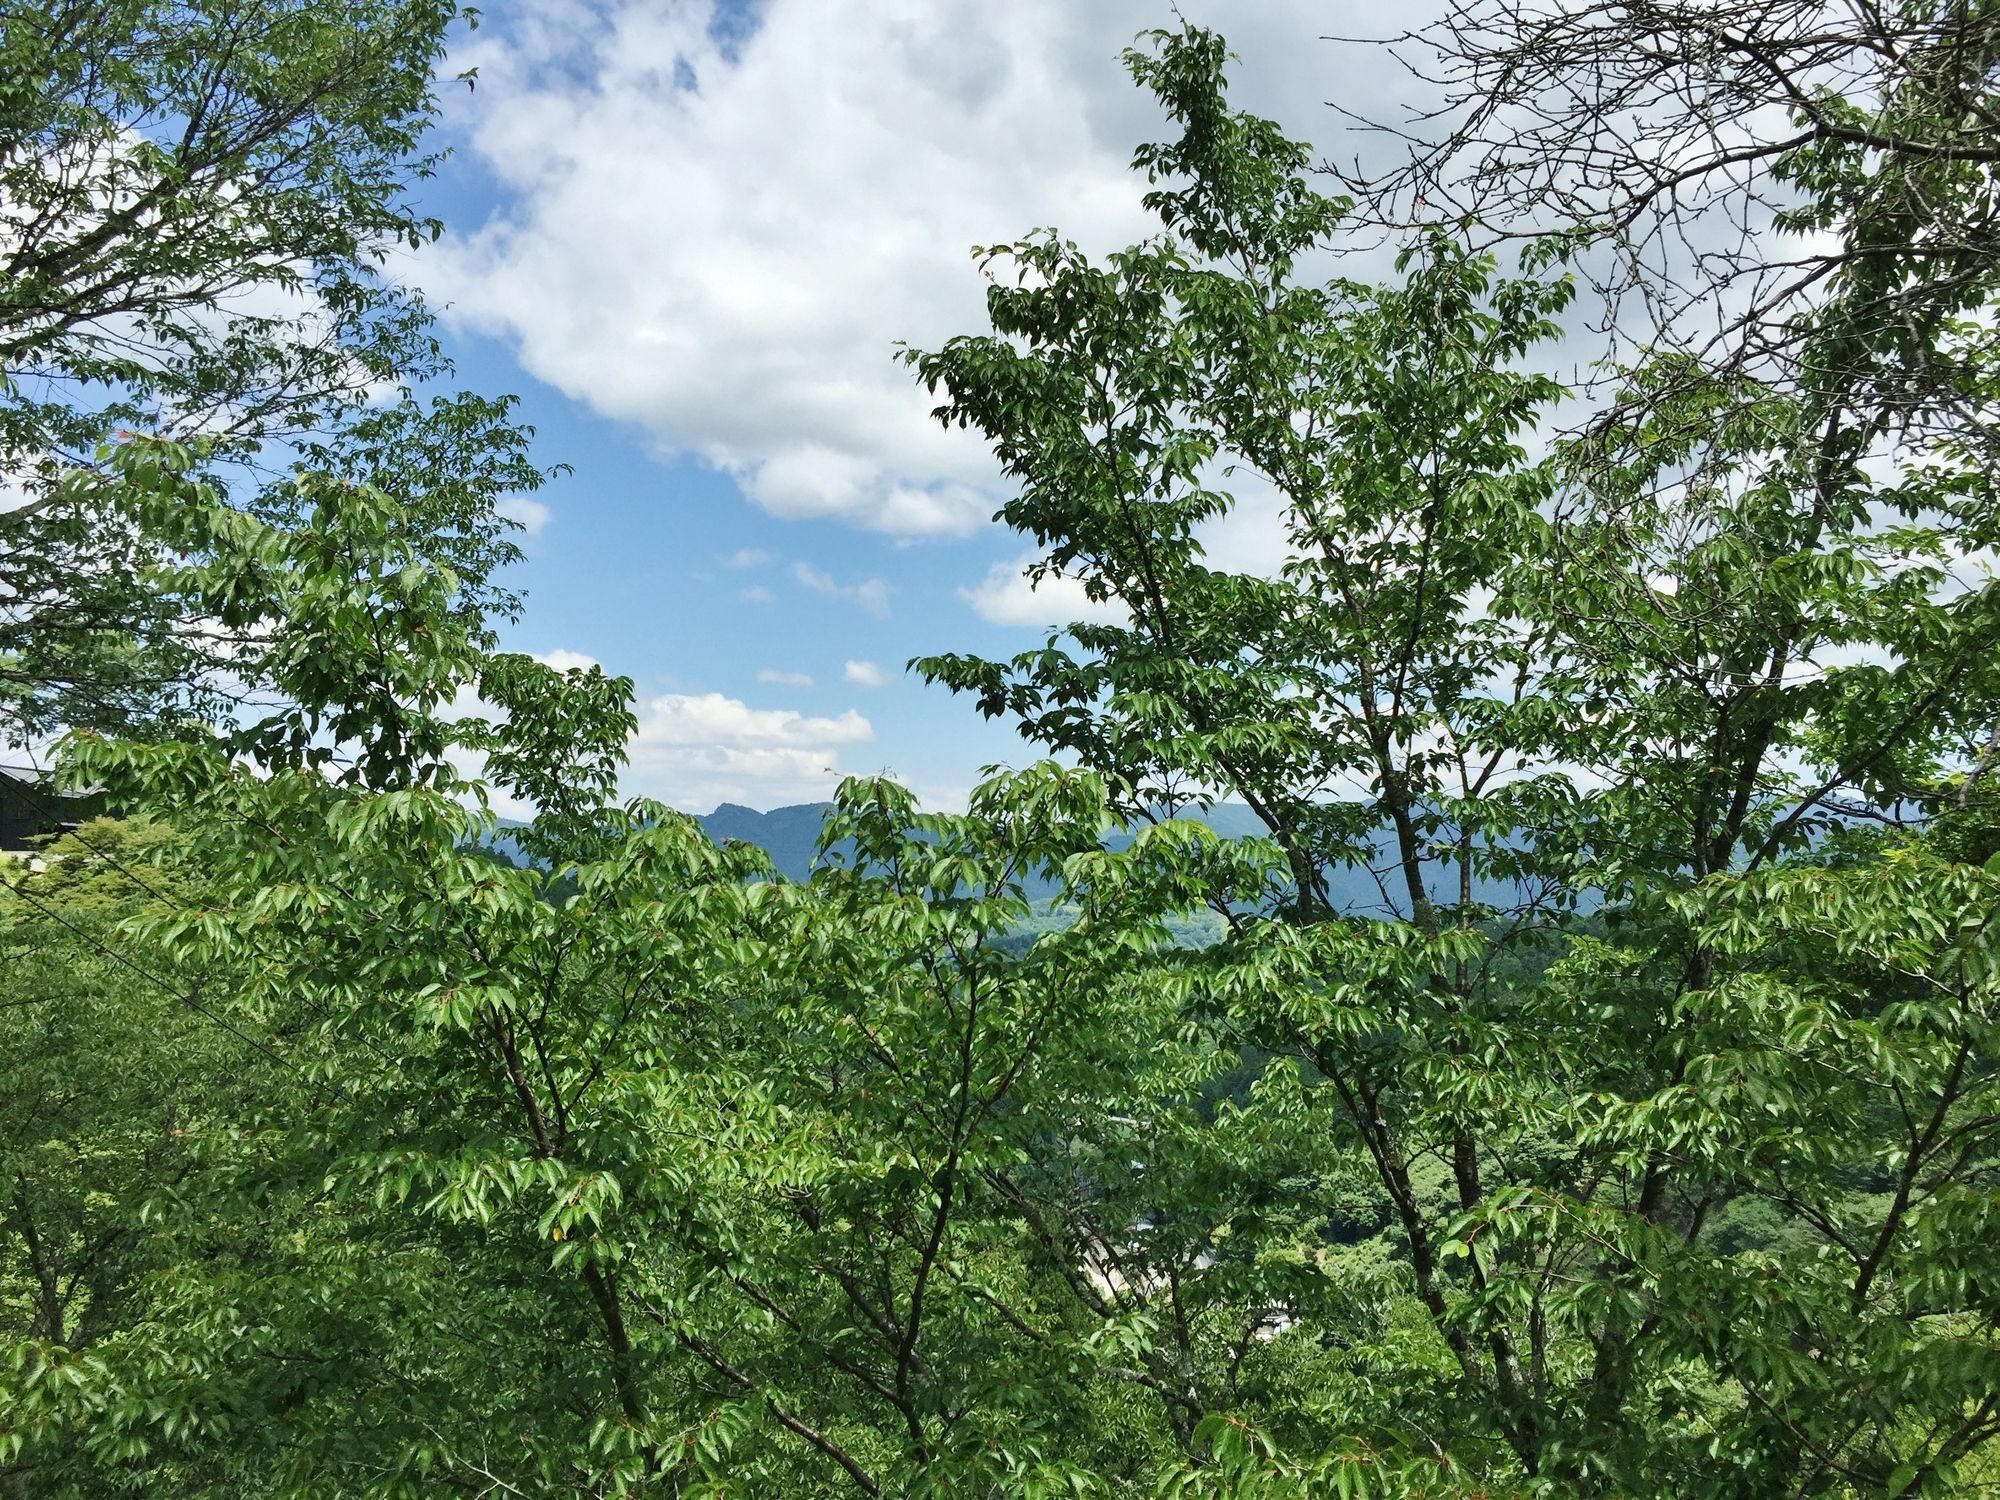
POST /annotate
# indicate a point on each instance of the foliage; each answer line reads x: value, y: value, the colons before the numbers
x: 123, y: 1110
x: 195, y: 201
x: 1776, y: 191
x: 1591, y: 673
x: 195, y: 198
x: 1643, y: 1143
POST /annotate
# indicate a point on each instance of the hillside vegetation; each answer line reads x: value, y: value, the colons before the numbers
x: 1640, y: 1138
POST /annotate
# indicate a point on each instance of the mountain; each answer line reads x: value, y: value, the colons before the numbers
x: 790, y: 835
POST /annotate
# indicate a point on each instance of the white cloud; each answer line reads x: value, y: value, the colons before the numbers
x: 721, y: 242
x: 863, y: 674
x: 755, y: 594
x: 777, y: 678
x: 1254, y: 536
x: 529, y: 514
x: 942, y: 796
x: 1006, y: 596
x: 872, y: 594
x: 747, y: 557
x: 468, y: 704
x: 694, y: 750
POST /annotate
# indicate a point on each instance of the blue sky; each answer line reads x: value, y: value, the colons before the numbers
x: 689, y: 236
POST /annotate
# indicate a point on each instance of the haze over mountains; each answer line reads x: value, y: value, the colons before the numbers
x: 790, y: 836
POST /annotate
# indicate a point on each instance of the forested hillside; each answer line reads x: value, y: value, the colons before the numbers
x: 1504, y: 1003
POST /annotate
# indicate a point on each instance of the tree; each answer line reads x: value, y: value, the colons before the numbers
x: 196, y: 198
x: 673, y: 1173
x: 183, y: 1287
x: 1784, y: 194
x: 1659, y: 674
x: 1641, y: 1139
x: 195, y: 204
x: 124, y: 1231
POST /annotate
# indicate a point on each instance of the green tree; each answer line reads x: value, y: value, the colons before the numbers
x: 675, y: 1174
x: 1640, y: 1140
x: 123, y: 1107
x: 258, y: 1333
x: 1659, y: 678
x: 196, y: 197
x: 1688, y: 147
x: 195, y: 204
x: 77, y: 1020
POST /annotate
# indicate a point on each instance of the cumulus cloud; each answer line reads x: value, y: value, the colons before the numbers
x: 468, y: 704
x: 755, y: 594
x: 872, y: 594
x: 863, y: 674
x: 565, y: 661
x: 1006, y: 596
x: 693, y: 750
x: 527, y: 513
x: 1254, y: 535
x: 747, y: 557
x: 720, y: 237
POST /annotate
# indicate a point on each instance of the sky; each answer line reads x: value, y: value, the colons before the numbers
x: 690, y: 234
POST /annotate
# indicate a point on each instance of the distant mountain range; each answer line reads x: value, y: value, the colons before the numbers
x: 790, y: 836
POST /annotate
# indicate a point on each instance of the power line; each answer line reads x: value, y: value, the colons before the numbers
x: 172, y: 905
x: 76, y: 833
x: 187, y: 999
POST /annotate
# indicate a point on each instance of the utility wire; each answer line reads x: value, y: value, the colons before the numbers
x: 109, y: 858
x: 187, y: 998
x: 172, y: 905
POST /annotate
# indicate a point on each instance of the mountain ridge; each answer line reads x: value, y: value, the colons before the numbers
x: 790, y: 836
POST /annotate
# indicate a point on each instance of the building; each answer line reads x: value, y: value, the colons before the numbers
x: 31, y: 809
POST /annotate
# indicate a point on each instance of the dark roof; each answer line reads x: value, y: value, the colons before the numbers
x: 26, y: 816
